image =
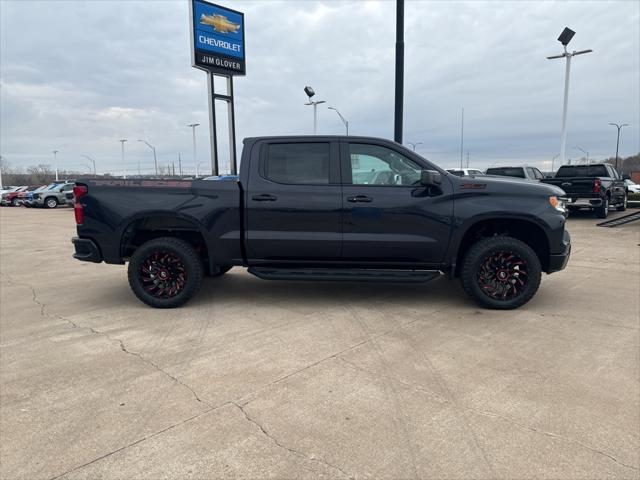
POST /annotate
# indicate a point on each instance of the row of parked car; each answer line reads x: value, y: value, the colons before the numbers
x: 46, y: 196
x: 595, y: 187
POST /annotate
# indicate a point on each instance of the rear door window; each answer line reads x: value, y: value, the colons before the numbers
x: 297, y: 163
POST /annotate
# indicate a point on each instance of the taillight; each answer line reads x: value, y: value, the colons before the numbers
x: 597, y: 183
x: 79, y: 191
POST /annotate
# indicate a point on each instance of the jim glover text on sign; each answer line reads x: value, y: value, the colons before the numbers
x: 218, y: 38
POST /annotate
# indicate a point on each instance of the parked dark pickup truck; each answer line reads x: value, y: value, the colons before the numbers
x: 595, y: 187
x: 326, y: 208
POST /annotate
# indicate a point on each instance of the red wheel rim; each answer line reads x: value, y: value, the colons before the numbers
x: 503, y: 275
x: 163, y: 275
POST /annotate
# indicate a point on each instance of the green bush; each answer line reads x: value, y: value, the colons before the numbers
x: 634, y: 197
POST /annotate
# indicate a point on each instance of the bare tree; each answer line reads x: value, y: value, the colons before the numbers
x: 41, y: 173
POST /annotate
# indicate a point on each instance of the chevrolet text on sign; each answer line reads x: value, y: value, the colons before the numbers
x: 218, y: 38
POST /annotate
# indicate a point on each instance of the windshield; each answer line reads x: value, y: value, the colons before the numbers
x: 582, y: 171
x: 507, y: 171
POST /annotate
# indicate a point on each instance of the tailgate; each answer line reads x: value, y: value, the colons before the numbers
x: 575, y: 185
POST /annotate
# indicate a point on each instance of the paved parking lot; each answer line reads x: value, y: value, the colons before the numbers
x: 256, y: 379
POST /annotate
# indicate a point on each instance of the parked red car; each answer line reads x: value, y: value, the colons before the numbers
x: 11, y: 198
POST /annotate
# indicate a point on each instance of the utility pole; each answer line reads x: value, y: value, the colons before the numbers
x: 397, y: 127
x: 461, y: 137
x: 180, y: 163
x: 564, y: 38
x: 124, y: 169
x: 55, y: 161
x: 0, y: 172
x: 619, y: 127
x: 467, y: 158
x: 193, y: 128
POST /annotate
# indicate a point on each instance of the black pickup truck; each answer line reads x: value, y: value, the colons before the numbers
x: 326, y: 208
x: 596, y: 187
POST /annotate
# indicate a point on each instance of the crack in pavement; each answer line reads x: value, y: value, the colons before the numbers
x: 148, y: 437
x: 120, y: 342
x: 289, y: 449
x: 552, y: 435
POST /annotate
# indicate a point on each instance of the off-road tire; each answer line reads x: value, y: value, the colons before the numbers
x: 623, y: 206
x: 185, y: 256
x: 603, y: 211
x: 50, y: 202
x: 477, y: 256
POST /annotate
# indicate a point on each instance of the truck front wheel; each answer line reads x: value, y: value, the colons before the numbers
x: 165, y: 272
x: 501, y: 273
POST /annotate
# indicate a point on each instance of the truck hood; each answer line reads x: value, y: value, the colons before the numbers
x: 513, y: 185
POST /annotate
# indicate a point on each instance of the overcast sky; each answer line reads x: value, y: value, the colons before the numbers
x: 77, y: 76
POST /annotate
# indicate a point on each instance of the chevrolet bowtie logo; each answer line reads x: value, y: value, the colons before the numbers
x: 220, y: 23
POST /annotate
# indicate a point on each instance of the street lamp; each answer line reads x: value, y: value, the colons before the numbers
x: 585, y: 152
x: 92, y: 161
x: 414, y: 145
x: 619, y: 127
x: 310, y: 93
x: 193, y: 128
x: 344, y: 120
x: 564, y: 38
x: 55, y: 161
x: 155, y: 160
x: 124, y: 170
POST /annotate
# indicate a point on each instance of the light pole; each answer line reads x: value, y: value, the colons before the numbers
x: 461, y: 138
x: 585, y: 152
x: 564, y: 38
x: 155, y: 160
x: 414, y: 145
x: 553, y: 161
x: 124, y: 170
x: 619, y: 127
x: 55, y: 161
x: 92, y: 161
x: 310, y: 93
x: 344, y: 120
x: 193, y: 128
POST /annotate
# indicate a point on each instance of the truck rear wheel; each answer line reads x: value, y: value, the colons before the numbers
x: 165, y: 272
x: 501, y: 273
x: 603, y: 211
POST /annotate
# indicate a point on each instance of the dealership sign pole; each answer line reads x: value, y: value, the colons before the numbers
x: 217, y: 46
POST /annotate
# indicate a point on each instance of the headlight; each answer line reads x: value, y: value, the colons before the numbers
x: 558, y: 204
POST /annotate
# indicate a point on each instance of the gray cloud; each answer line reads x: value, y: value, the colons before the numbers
x: 76, y: 76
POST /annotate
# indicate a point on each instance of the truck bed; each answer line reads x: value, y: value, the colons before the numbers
x: 211, y: 207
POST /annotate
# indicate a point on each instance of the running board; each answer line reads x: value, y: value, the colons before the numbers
x: 342, y: 274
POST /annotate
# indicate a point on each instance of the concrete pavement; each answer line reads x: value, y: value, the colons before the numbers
x: 257, y: 379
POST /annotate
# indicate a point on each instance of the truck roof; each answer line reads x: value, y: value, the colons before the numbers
x: 318, y: 137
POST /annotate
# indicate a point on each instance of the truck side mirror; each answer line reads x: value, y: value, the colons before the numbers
x: 430, y: 178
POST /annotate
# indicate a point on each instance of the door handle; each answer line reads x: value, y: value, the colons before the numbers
x: 265, y: 197
x: 359, y: 198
